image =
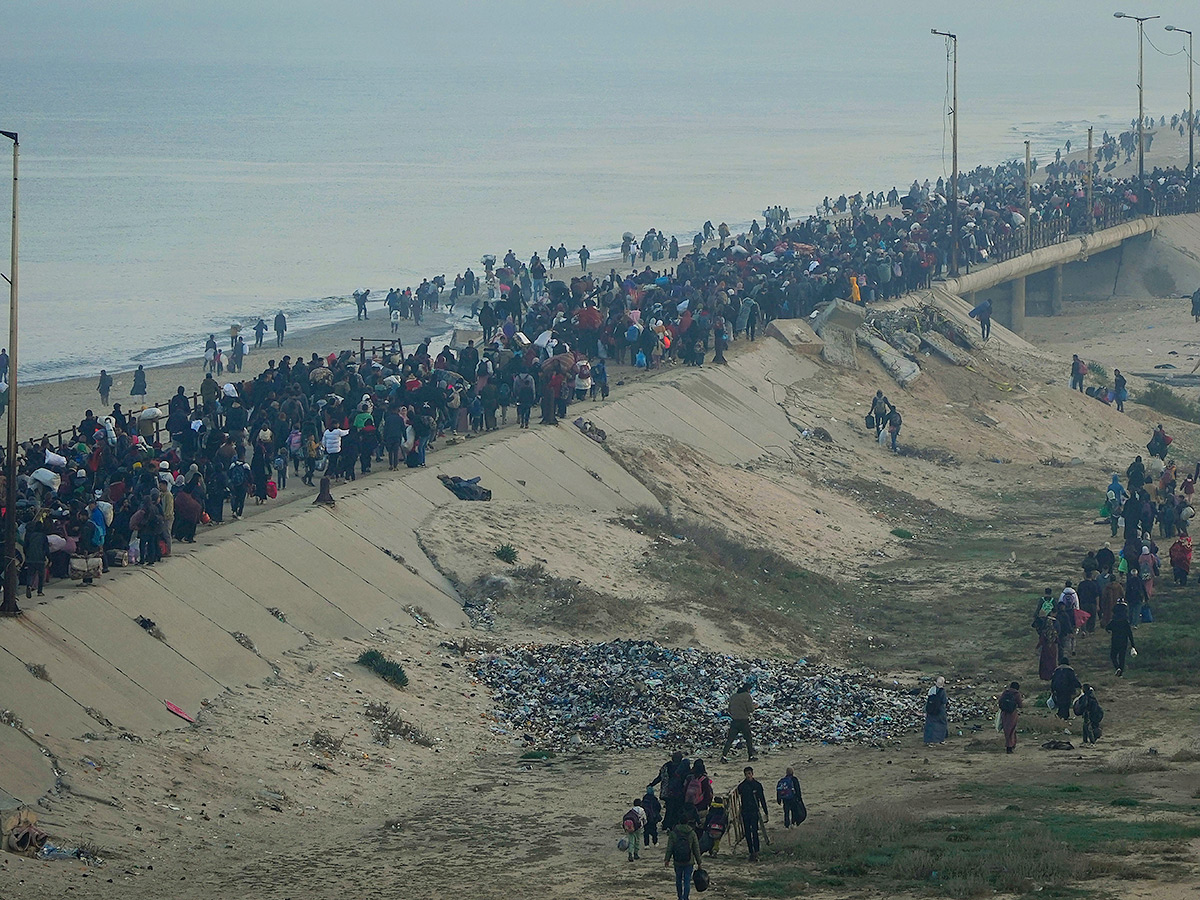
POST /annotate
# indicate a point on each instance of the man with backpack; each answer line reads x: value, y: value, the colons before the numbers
x: 1010, y: 701
x: 1088, y: 708
x: 633, y: 823
x: 683, y: 851
x: 750, y: 793
x: 787, y: 795
x: 239, y: 479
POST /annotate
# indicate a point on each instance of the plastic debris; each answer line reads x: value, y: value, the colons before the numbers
x: 623, y: 694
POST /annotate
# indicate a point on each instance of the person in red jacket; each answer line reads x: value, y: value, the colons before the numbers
x: 1181, y: 558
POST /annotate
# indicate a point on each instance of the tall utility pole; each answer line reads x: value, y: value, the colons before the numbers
x: 953, y: 156
x: 8, y: 606
x: 1028, y: 201
x: 1141, y: 122
x: 1191, y: 106
x: 1091, y: 219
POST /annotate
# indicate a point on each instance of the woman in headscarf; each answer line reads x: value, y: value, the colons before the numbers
x: 1148, y: 565
x: 1047, y: 647
x: 936, y: 703
x: 1010, y: 703
x: 258, y: 473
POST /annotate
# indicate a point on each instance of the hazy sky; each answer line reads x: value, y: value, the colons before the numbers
x: 1073, y: 46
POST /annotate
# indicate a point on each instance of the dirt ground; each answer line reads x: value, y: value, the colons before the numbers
x: 281, y: 790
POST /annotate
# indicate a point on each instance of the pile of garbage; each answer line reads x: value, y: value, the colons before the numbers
x: 624, y: 694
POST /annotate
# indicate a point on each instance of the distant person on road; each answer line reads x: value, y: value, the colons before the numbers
x: 894, y: 421
x: 1196, y: 305
x: 1063, y: 687
x: 105, y: 385
x: 653, y: 816
x: 1120, y: 390
x: 753, y: 801
x: 787, y: 795
x: 879, y: 410
x: 584, y: 256
x: 741, y: 708
x: 633, y: 823
x: 139, y: 383
x: 280, y: 328
x: 360, y: 303
x: 1078, y: 370
x: 983, y: 312
x: 1010, y: 703
x: 1088, y: 708
x: 937, y: 726
x: 1122, y: 636
x: 260, y: 328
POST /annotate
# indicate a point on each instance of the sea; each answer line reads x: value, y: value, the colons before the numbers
x: 165, y: 196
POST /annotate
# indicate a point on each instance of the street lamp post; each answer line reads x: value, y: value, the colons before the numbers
x: 953, y: 157
x: 1141, y: 26
x: 1191, y: 106
x: 1028, y: 201
x: 8, y: 606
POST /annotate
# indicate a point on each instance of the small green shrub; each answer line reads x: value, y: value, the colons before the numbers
x: 506, y: 553
x: 385, y: 668
x: 1162, y: 398
x: 902, y: 533
x: 1126, y: 801
x: 1098, y: 372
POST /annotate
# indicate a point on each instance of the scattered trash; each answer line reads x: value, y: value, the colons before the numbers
x: 624, y: 694
x: 179, y: 712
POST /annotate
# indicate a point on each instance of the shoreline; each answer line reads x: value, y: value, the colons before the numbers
x: 47, y: 406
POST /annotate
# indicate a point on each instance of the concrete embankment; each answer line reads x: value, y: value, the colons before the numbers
x: 229, y: 610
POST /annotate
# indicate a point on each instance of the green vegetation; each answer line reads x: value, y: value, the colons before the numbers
x: 385, y: 668
x: 902, y: 533
x: 741, y: 585
x: 1162, y: 398
x: 506, y: 553
x: 1098, y: 372
x: 890, y: 848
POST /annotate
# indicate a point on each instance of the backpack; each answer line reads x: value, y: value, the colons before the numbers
x: 717, y: 825
x: 784, y: 789
x: 505, y: 394
x: 693, y: 791
x: 237, y: 475
x: 1008, y: 703
x: 631, y: 823
x: 584, y: 371
x: 933, y: 705
x: 681, y: 848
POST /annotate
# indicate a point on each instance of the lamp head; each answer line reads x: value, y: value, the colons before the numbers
x: 1170, y: 28
x: 1119, y: 15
